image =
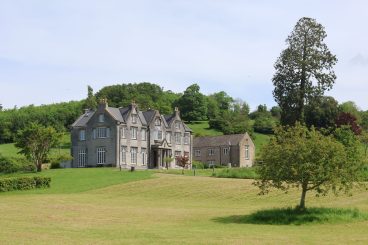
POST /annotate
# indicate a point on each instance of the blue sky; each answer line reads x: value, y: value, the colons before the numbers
x: 51, y: 50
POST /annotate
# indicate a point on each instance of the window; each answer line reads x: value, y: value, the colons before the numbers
x: 177, y: 125
x: 211, y: 151
x: 101, y: 118
x: 211, y: 163
x: 123, y: 154
x: 123, y: 132
x: 101, y: 155
x: 143, y: 151
x: 197, y: 153
x: 133, y: 155
x: 186, y: 138
x: 178, y: 138
x: 247, y: 152
x: 159, y: 135
x: 177, y: 154
x: 168, y: 137
x: 157, y: 122
x: 101, y: 132
x: 133, y: 131
x: 82, y: 134
x: 225, y: 151
x: 134, y: 118
x: 82, y: 156
x: 143, y: 134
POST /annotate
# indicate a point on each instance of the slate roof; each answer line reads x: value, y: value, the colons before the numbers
x: 115, y: 113
x: 232, y: 139
x: 83, y: 119
x: 148, y: 115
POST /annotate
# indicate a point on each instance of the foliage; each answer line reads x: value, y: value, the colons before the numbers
x: 305, y: 62
x: 59, y: 116
x: 167, y: 161
x: 198, y: 165
x: 146, y: 95
x: 298, y: 157
x: 348, y: 119
x: 351, y: 108
x: 364, y: 139
x: 237, y: 173
x: 321, y: 112
x: 91, y: 101
x: 183, y: 162
x: 23, y: 183
x: 35, y: 142
x: 55, y: 160
x: 193, y: 104
x: 217, y: 103
x: 264, y: 122
x: 12, y: 165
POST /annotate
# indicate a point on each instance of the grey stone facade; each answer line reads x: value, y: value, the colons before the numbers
x: 126, y: 137
x: 237, y: 150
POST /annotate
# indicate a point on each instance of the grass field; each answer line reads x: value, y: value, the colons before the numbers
x: 9, y: 150
x: 105, y: 206
x: 201, y: 128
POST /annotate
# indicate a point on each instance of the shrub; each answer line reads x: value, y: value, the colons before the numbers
x: 12, y: 165
x: 24, y: 183
x: 55, y: 161
x: 238, y: 173
x: 198, y: 165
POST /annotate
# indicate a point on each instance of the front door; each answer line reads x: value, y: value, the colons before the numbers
x: 155, y: 158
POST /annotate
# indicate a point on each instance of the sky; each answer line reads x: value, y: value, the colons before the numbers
x: 51, y: 50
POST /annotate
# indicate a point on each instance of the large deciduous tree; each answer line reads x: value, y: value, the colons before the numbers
x: 303, y: 158
x: 303, y: 70
x: 193, y: 104
x: 35, y: 142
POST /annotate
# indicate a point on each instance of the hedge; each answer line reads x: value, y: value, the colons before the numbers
x: 12, y: 165
x: 24, y: 183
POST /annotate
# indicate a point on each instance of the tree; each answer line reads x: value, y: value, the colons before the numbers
x: 348, y: 119
x: 364, y: 140
x: 182, y: 161
x: 193, y: 104
x: 321, y: 112
x: 298, y: 157
x: 35, y: 142
x: 303, y: 70
x: 91, y: 102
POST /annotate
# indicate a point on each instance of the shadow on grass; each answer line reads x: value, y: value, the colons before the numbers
x: 291, y: 216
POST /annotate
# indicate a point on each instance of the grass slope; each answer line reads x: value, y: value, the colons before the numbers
x: 202, y: 128
x: 169, y: 209
x: 9, y: 150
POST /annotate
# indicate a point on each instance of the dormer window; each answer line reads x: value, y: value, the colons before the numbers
x: 101, y: 118
x: 177, y: 125
x: 157, y: 122
x: 134, y: 118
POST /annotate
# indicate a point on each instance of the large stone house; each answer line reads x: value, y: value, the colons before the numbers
x: 127, y: 137
x: 236, y: 150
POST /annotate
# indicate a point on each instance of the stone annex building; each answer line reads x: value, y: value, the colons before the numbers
x: 236, y: 149
x: 127, y: 137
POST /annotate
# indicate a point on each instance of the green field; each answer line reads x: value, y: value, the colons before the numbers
x: 9, y: 150
x: 105, y: 206
x: 202, y: 128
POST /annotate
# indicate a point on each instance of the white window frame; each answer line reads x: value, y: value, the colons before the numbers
x: 186, y: 138
x: 246, y: 152
x: 144, y: 155
x: 103, y: 132
x: 159, y: 134
x: 101, y: 155
x: 168, y: 137
x: 157, y: 121
x: 177, y: 138
x: 82, y: 158
x: 134, y: 118
x: 123, y: 132
x: 197, y: 153
x: 211, y: 151
x: 225, y: 151
x: 82, y: 134
x: 133, y: 131
x: 123, y: 154
x: 133, y: 155
x: 143, y: 134
x: 101, y: 118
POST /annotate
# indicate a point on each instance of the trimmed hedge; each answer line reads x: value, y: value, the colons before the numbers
x: 24, y: 183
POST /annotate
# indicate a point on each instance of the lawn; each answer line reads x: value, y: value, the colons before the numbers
x: 201, y: 128
x: 105, y: 206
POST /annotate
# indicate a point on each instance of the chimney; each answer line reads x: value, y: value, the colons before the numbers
x: 86, y: 112
x: 177, y: 112
x: 103, y: 104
